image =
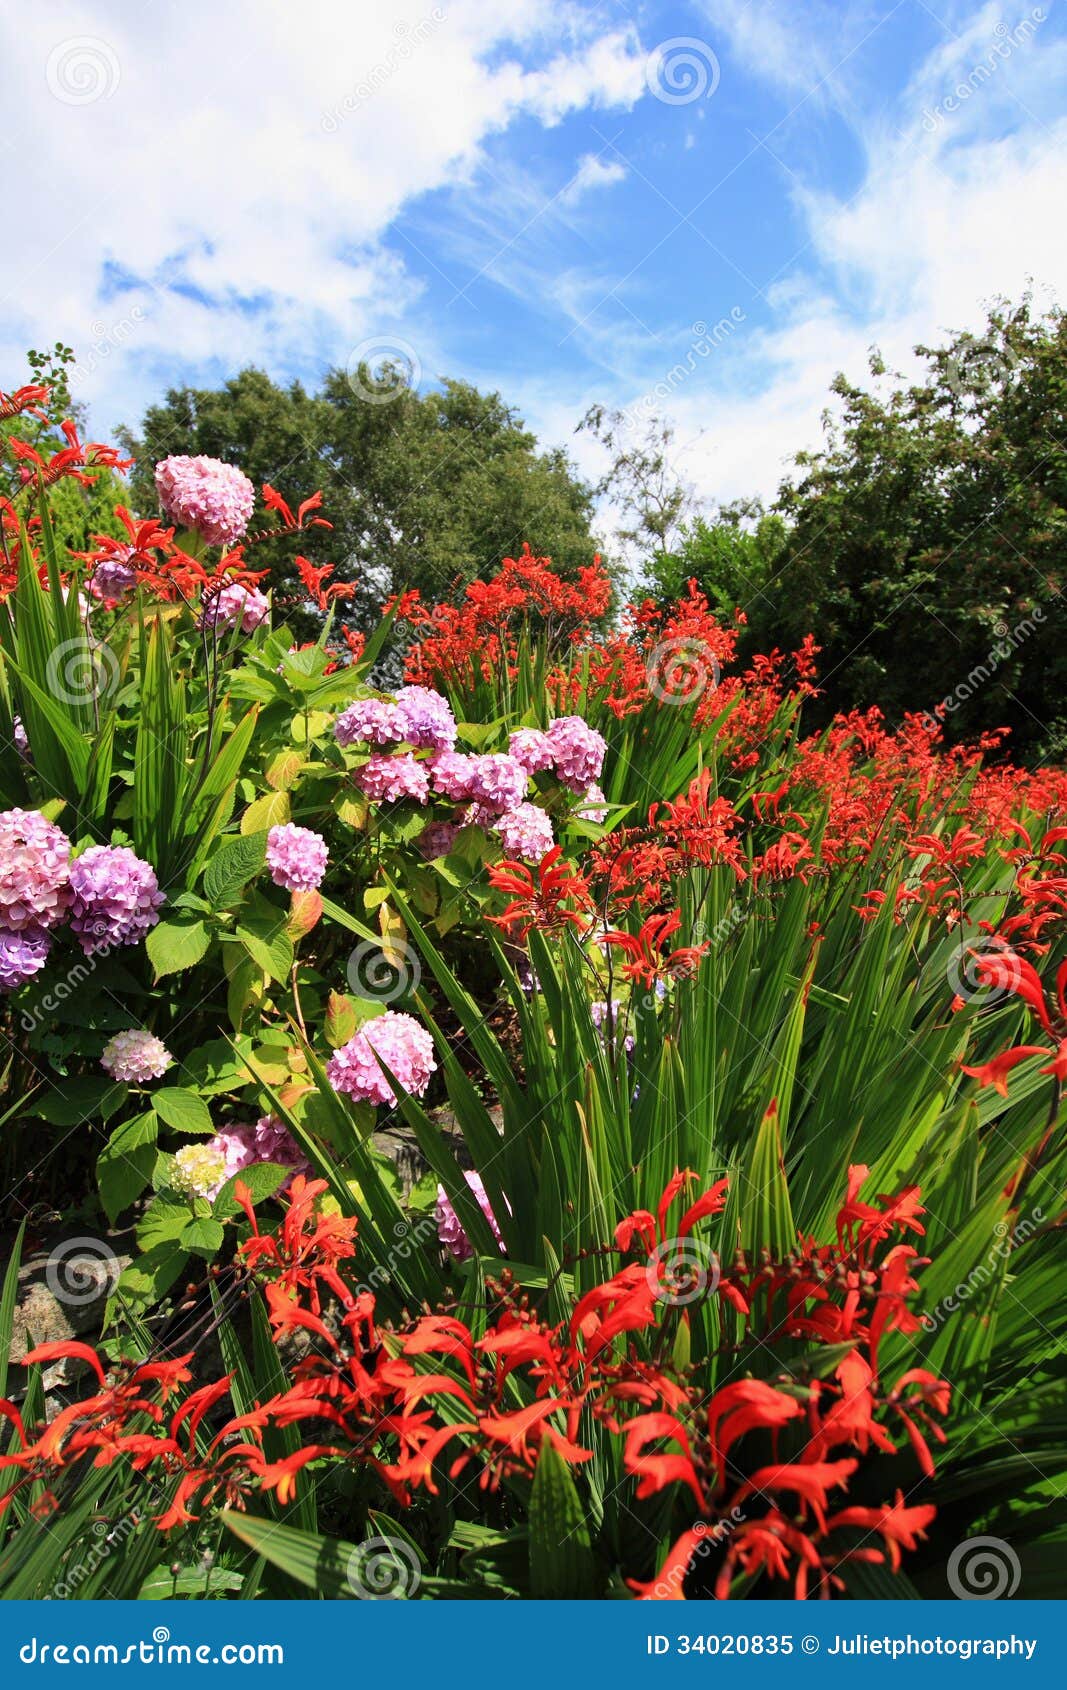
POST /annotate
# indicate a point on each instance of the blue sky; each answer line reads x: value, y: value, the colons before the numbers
x: 562, y: 201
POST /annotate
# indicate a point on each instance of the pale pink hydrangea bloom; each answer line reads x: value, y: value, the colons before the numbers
x: 212, y: 498
x: 449, y: 1227
x: 497, y: 781
x: 236, y: 605
x: 452, y: 774
x: 113, y: 579
x: 35, y: 889
x: 135, y: 1056
x: 405, y: 1047
x: 428, y: 721
x: 531, y: 748
x: 243, y: 1146
x: 386, y: 779
x: 296, y: 857
x: 370, y: 721
x: 577, y: 752
x: 594, y: 808
x: 116, y: 898
x: 526, y: 832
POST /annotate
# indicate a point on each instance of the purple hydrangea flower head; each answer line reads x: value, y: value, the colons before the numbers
x: 212, y: 498
x: 404, y: 1046
x: 21, y: 739
x: 385, y: 779
x: 498, y: 782
x: 526, y: 832
x: 35, y: 889
x: 370, y: 721
x: 449, y: 1227
x: 135, y: 1056
x: 22, y: 955
x: 531, y: 748
x: 428, y: 721
x: 113, y: 579
x: 577, y: 752
x: 236, y: 605
x: 116, y: 898
x: 296, y: 857
x: 453, y: 774
x: 438, y: 839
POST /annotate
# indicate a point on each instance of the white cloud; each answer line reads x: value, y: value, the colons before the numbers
x: 224, y: 196
x: 592, y: 173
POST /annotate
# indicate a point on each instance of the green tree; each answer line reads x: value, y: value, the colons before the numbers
x: 927, y: 539
x: 423, y: 490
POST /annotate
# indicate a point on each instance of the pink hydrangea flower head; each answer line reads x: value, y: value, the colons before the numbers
x: 531, y: 748
x: 452, y: 774
x: 235, y: 606
x: 428, y: 721
x: 498, y: 782
x: 577, y: 752
x: 438, y: 839
x: 449, y: 1227
x: 116, y: 898
x: 404, y: 1046
x: 22, y: 955
x: 268, y: 1140
x: 296, y: 857
x: 135, y: 1057
x: 35, y: 889
x: 113, y: 579
x: 212, y: 498
x: 594, y: 807
x: 370, y: 721
x: 386, y: 779
x: 526, y: 832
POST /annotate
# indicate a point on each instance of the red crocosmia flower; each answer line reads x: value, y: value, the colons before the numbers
x: 995, y: 1073
x: 551, y: 898
x: 644, y: 963
x: 899, y: 1527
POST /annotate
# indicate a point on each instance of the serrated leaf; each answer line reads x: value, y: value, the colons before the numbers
x: 175, y: 945
x: 232, y: 867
